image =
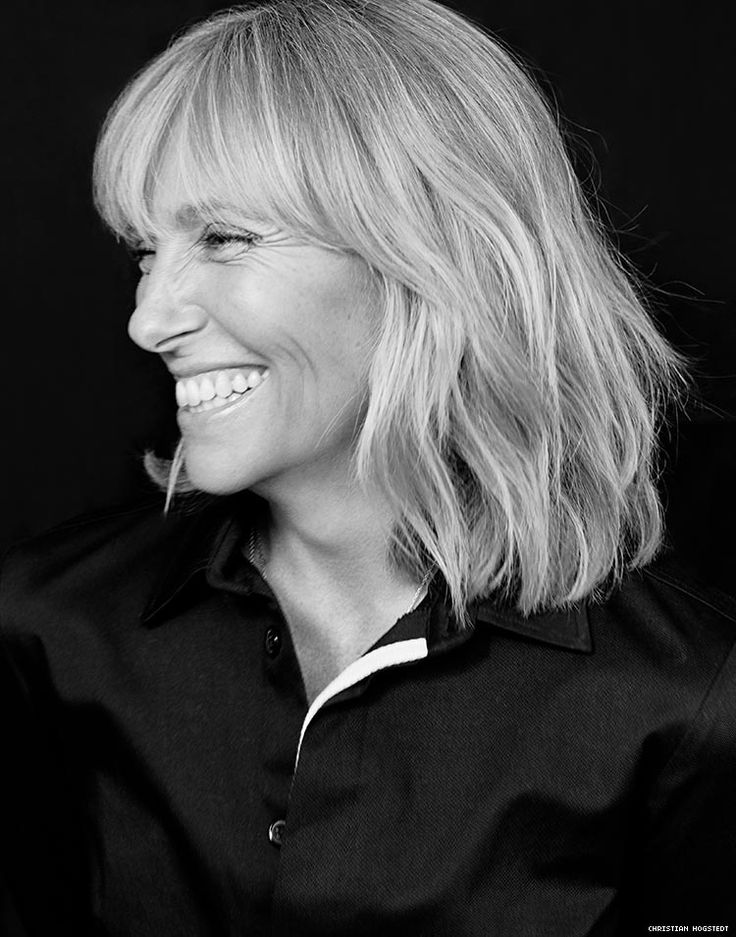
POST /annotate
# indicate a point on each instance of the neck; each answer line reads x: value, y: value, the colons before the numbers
x: 326, y: 558
x: 329, y: 528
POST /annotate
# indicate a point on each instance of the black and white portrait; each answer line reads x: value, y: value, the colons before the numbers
x: 370, y: 461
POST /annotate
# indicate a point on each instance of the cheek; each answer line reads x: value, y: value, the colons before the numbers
x: 319, y: 315
x: 344, y: 314
x: 333, y: 321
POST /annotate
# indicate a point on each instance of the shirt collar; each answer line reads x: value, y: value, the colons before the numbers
x: 209, y: 552
x: 200, y: 542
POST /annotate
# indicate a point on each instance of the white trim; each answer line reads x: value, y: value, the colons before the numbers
x: 400, y: 652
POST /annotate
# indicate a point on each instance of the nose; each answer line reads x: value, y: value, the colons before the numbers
x: 165, y: 313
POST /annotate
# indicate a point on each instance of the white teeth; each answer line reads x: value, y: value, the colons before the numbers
x: 206, y: 389
x: 240, y: 385
x: 193, y: 397
x: 223, y: 385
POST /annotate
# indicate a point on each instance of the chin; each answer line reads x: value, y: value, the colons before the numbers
x: 217, y: 477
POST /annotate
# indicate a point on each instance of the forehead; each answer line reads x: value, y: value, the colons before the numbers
x: 183, y: 216
x: 183, y: 199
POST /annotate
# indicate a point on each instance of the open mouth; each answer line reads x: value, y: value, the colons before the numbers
x: 215, y: 390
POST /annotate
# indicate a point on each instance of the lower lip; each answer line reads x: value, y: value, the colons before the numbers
x: 185, y: 416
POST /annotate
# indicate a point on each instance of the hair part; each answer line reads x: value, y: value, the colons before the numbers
x: 518, y: 382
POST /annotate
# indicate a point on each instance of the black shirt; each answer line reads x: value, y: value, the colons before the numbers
x: 560, y: 775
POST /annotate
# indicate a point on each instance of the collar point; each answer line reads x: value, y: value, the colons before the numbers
x: 567, y: 628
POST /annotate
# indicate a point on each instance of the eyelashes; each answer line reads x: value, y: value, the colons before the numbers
x: 138, y: 252
x: 214, y: 237
x: 215, y: 243
x: 142, y: 257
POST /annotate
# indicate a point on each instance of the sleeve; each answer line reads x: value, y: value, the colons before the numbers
x: 41, y: 853
x: 687, y: 875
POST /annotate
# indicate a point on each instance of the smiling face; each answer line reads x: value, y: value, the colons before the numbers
x: 270, y: 340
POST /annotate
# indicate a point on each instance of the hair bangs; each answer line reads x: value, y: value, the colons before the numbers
x: 230, y: 127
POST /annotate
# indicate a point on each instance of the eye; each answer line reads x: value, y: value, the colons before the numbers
x: 228, y: 243
x: 142, y: 256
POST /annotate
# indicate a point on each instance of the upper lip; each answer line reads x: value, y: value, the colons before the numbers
x: 181, y: 374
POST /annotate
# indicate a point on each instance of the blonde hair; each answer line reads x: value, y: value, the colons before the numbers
x: 517, y: 383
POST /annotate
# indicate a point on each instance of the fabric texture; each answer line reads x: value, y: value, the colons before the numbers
x: 561, y: 775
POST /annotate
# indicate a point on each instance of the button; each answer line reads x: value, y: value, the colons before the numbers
x: 276, y: 832
x: 273, y: 642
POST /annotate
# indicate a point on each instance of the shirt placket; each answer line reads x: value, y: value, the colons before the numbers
x: 283, y: 714
x: 329, y: 755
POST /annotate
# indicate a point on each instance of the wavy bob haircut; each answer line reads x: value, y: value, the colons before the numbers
x: 517, y: 383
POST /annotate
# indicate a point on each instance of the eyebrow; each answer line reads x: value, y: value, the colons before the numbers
x: 189, y: 217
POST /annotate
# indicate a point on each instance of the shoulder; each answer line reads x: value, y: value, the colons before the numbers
x: 684, y: 634
x: 664, y: 652
x: 91, y: 547
x: 105, y: 560
x: 669, y: 613
x: 673, y: 575
x: 653, y: 657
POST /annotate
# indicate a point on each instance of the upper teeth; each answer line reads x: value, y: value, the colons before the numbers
x: 202, y: 387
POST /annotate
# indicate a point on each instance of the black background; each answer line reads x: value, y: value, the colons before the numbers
x: 648, y: 95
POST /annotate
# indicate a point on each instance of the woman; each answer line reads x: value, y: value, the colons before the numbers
x: 413, y: 669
